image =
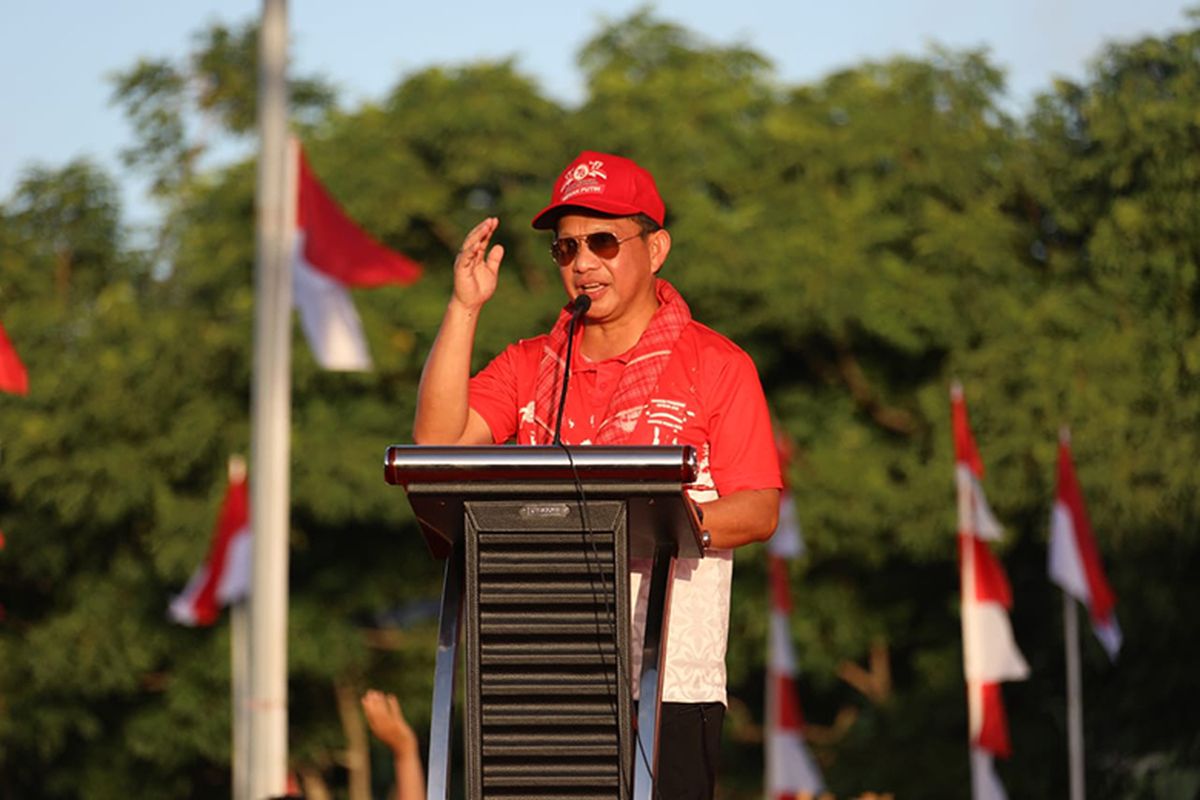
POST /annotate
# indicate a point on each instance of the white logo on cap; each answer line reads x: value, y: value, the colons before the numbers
x: 590, y: 170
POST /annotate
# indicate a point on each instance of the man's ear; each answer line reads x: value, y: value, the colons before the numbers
x: 659, y: 243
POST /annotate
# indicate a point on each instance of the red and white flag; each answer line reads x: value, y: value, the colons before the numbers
x: 1074, y: 560
x: 790, y: 767
x: 13, y: 377
x: 333, y: 254
x: 990, y: 654
x: 224, y: 578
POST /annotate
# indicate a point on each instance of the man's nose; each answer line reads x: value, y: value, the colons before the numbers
x: 585, y: 259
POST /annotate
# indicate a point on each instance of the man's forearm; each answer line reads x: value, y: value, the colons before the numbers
x: 442, y: 411
x: 741, y: 517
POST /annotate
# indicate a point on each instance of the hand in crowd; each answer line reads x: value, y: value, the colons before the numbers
x: 387, y: 722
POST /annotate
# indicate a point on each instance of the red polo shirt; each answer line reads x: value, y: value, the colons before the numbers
x: 708, y: 396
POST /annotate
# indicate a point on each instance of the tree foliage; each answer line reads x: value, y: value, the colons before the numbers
x: 868, y: 238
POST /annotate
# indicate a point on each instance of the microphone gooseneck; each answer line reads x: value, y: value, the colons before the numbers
x: 579, y: 307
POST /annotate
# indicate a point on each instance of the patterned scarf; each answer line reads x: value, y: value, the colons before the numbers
x: 646, y: 362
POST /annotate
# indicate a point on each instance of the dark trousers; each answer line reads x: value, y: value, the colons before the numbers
x: 689, y: 748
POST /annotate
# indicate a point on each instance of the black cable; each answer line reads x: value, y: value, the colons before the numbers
x: 623, y: 679
x: 578, y: 308
x: 609, y: 610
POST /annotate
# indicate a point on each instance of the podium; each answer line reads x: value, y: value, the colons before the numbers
x: 537, y: 543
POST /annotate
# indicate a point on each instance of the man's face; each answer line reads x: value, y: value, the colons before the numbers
x: 620, y: 283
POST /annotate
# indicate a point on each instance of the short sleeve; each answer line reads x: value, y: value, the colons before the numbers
x: 743, y: 454
x: 493, y: 395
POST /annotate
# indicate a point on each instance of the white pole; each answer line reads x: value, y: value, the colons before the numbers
x: 239, y: 658
x: 270, y: 420
x: 1074, y: 696
x: 966, y: 591
x: 239, y: 671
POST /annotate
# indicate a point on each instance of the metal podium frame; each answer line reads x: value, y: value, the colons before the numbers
x: 636, y: 493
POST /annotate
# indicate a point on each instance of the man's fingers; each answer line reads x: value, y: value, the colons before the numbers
x: 478, y: 238
x: 473, y: 253
x: 495, y: 257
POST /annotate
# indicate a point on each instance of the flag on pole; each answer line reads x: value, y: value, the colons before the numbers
x: 333, y: 254
x: 790, y: 768
x: 1074, y: 560
x: 224, y: 577
x: 990, y: 654
x: 13, y: 377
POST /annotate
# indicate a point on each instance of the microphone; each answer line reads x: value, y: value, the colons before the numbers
x: 579, y: 307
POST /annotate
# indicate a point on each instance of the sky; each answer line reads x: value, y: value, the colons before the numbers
x: 57, y: 56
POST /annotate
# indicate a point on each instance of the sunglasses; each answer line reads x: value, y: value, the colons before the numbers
x: 603, y: 243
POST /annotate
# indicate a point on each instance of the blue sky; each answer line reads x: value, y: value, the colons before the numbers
x: 56, y: 56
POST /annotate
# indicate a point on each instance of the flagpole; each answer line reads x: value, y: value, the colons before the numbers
x: 270, y: 420
x: 239, y: 671
x: 1074, y: 696
x: 974, y: 698
x: 966, y: 591
x: 239, y: 664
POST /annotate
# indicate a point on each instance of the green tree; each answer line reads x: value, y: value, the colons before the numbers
x: 1115, y: 179
x: 103, y: 461
x: 113, y: 467
x: 867, y: 238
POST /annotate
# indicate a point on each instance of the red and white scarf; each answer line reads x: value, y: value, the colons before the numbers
x: 646, y: 363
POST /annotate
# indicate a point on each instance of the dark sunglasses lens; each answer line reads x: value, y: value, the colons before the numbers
x: 563, y: 251
x: 603, y: 244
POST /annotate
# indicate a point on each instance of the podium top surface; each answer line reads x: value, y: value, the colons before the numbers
x: 652, y: 481
x: 407, y: 464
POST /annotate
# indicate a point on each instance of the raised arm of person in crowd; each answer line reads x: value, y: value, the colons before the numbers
x: 443, y: 415
x: 387, y: 722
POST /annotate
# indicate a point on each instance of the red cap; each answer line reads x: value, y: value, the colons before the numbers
x: 605, y: 183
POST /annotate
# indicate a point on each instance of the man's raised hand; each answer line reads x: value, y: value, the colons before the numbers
x: 476, y: 269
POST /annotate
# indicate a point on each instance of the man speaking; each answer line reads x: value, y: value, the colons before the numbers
x: 643, y: 373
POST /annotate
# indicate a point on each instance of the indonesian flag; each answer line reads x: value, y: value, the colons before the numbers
x: 990, y: 655
x: 790, y: 768
x: 224, y: 578
x: 333, y: 254
x: 1074, y: 561
x: 13, y: 377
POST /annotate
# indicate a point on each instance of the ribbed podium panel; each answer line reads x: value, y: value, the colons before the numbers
x: 548, y: 708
